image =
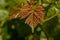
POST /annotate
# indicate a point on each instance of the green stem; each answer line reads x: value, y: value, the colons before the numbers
x: 49, y: 18
x: 32, y: 29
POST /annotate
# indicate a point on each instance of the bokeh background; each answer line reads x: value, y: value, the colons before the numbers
x: 16, y: 29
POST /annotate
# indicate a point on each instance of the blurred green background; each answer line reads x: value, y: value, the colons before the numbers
x: 16, y: 29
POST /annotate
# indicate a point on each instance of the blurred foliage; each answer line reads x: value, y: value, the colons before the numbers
x: 4, y: 14
x: 17, y: 29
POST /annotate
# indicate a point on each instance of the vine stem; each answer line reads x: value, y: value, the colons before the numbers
x: 49, y: 18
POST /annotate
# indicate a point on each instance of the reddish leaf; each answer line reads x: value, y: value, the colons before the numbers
x: 14, y: 13
x: 25, y: 11
x: 32, y: 16
x: 32, y: 20
x: 39, y: 12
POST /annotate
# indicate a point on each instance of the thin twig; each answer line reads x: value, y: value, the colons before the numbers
x: 49, y: 18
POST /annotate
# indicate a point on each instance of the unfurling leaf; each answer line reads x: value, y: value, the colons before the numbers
x: 32, y: 15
